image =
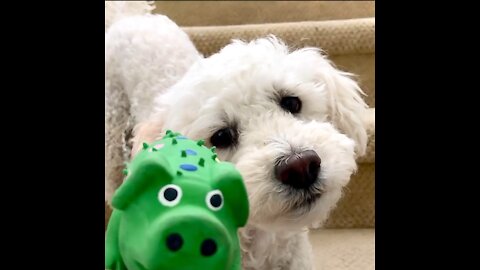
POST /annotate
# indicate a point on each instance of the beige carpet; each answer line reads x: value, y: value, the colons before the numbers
x: 213, y: 13
x: 344, y: 249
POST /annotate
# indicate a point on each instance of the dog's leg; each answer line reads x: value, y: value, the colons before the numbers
x: 275, y: 251
x: 144, y: 55
x: 118, y: 119
x: 302, y: 257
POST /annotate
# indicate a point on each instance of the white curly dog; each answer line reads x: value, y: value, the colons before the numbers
x: 289, y: 120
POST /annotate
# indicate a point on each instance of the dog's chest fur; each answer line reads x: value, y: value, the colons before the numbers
x: 275, y: 250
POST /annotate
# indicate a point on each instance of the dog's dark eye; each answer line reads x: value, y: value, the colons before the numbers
x: 223, y: 138
x: 291, y: 104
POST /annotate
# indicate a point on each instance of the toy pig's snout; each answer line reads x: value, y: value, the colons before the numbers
x: 208, y: 247
x: 194, y: 240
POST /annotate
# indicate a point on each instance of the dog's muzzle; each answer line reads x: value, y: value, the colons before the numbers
x: 299, y: 170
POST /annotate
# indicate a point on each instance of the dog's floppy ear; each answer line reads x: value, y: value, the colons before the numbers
x: 147, y: 131
x: 346, y: 106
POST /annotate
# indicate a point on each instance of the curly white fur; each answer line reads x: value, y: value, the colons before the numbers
x: 117, y: 10
x: 240, y: 87
x: 144, y: 55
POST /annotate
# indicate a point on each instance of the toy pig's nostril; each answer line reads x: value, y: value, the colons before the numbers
x: 209, y: 247
x: 174, y: 242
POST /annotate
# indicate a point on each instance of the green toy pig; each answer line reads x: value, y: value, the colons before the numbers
x: 178, y: 209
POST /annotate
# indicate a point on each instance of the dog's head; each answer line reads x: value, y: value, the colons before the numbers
x: 290, y: 121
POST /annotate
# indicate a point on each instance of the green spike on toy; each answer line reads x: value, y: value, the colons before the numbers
x: 214, y: 156
x: 125, y: 171
x: 145, y: 145
x: 201, y: 163
x: 213, y: 149
x: 184, y: 153
x: 174, y: 141
x: 179, y: 173
x: 200, y: 142
x: 168, y: 134
x: 154, y: 149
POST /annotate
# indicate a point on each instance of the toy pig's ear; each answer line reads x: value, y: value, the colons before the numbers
x: 230, y: 182
x: 140, y: 175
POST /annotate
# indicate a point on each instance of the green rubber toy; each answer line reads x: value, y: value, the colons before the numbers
x: 179, y: 208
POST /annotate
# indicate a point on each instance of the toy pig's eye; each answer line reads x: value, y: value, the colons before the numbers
x: 214, y: 200
x: 170, y: 195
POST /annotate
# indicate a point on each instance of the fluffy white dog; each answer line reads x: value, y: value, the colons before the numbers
x: 289, y: 120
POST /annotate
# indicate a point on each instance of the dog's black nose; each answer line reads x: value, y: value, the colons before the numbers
x: 299, y: 170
